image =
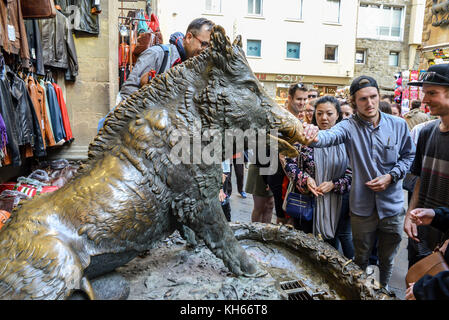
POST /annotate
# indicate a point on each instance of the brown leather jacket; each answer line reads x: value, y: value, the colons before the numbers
x: 38, y: 98
x: 11, y: 14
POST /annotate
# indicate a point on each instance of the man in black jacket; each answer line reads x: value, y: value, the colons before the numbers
x: 431, y: 287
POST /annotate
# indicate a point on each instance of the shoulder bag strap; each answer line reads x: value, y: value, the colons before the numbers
x: 164, y: 62
x: 444, y: 237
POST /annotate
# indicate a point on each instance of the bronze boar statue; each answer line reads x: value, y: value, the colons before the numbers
x: 129, y: 194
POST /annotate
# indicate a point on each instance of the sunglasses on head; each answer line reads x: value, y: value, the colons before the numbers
x: 432, y: 76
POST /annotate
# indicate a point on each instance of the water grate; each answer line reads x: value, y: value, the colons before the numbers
x: 297, y: 290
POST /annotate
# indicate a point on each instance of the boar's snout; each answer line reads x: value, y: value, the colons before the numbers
x: 290, y: 129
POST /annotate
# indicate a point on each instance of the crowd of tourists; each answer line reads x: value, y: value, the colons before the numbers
x: 366, y: 152
x: 353, y: 176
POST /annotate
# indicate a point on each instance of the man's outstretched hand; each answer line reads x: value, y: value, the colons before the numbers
x: 310, y: 133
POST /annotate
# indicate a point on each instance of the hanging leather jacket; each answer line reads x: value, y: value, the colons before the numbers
x: 40, y: 111
x: 35, y: 45
x: 26, y: 118
x: 81, y: 15
x: 58, y: 46
x: 8, y: 114
x: 13, y: 37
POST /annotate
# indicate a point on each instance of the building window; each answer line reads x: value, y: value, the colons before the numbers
x: 381, y: 22
x: 255, y: 7
x: 332, y: 11
x: 294, y: 9
x: 393, y: 59
x: 331, y: 53
x: 253, y: 48
x: 293, y: 50
x: 360, y: 56
x: 213, y: 6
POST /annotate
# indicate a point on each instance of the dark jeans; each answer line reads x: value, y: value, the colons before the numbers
x: 343, y: 235
x: 226, y: 205
x: 303, y: 225
x: 275, y: 183
x: 239, y: 172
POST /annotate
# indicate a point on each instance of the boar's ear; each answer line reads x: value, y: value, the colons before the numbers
x: 238, y: 41
x: 220, y: 44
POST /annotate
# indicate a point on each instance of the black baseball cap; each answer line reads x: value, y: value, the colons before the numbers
x: 438, y: 74
x: 362, y: 82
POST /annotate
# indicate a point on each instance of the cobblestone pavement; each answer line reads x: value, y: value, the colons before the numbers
x: 241, y: 212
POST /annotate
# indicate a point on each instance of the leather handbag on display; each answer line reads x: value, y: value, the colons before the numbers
x: 38, y: 9
x: 433, y: 264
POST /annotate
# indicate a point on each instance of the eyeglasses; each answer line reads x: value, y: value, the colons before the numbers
x: 432, y: 76
x: 312, y: 96
x: 204, y: 44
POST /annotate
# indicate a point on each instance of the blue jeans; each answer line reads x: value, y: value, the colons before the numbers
x: 343, y: 235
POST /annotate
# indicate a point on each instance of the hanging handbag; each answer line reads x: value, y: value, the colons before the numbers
x: 297, y: 205
x: 433, y: 264
x: 38, y: 9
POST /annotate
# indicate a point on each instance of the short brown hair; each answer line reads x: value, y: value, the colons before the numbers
x: 296, y: 86
x: 196, y: 25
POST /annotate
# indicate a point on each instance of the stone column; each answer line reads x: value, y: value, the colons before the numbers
x: 94, y: 92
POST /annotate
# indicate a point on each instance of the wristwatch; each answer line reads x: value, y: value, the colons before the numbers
x: 394, y: 177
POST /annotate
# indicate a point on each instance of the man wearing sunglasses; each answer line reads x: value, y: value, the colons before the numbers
x: 431, y: 164
x: 313, y: 94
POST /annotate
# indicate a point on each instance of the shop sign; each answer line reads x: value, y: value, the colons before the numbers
x: 289, y: 78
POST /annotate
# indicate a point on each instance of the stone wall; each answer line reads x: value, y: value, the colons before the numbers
x: 377, y: 53
x: 93, y: 94
x: 433, y: 37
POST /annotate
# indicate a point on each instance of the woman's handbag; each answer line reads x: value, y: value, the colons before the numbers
x: 297, y: 205
x: 38, y: 9
x: 433, y: 264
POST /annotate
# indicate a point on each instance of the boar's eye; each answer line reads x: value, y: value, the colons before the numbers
x: 252, y: 86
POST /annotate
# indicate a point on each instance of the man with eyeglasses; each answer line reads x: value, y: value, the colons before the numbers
x: 431, y: 164
x: 181, y: 48
x: 159, y: 58
x: 380, y: 152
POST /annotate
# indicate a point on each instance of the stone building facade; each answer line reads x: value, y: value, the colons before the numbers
x: 435, y: 37
x: 386, y: 56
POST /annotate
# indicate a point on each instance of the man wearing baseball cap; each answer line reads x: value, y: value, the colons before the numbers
x: 380, y: 151
x: 431, y: 165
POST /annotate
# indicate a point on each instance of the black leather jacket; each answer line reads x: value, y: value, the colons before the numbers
x: 58, y: 46
x: 8, y: 114
x: 79, y: 12
x: 26, y: 119
x: 35, y: 45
